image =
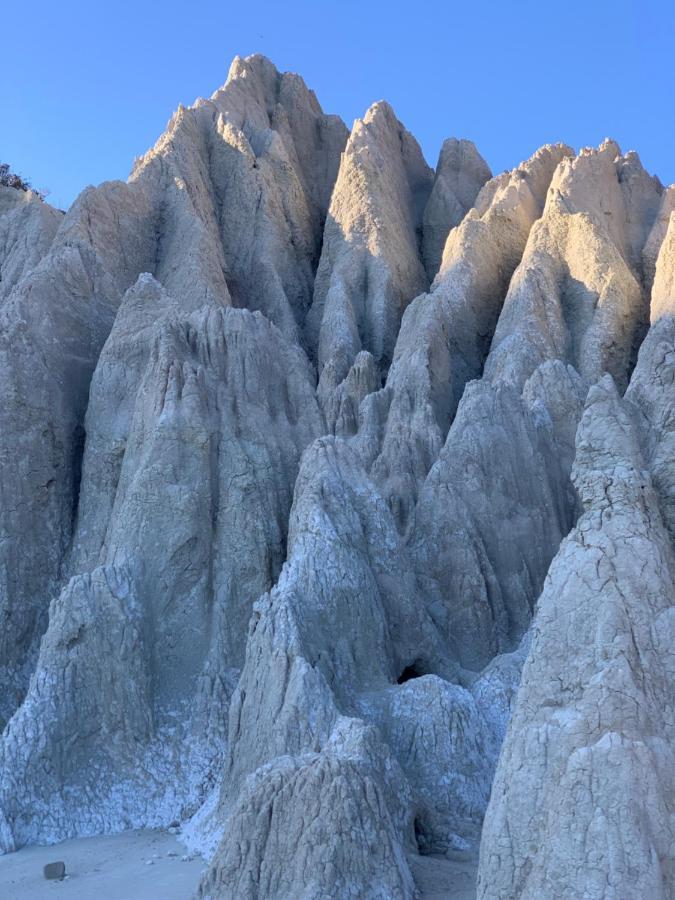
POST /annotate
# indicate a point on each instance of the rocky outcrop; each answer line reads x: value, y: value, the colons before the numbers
x: 337, y: 647
x: 242, y: 183
x: 207, y: 437
x: 578, y: 293
x: 493, y: 510
x: 339, y: 621
x: 52, y: 327
x: 460, y: 174
x: 333, y: 825
x: 88, y: 705
x: 445, y: 335
x: 191, y: 456
x: 663, y: 291
x: 370, y: 265
x: 497, y: 503
x: 587, y: 745
x: 27, y: 229
x: 343, y: 604
x: 653, y: 243
x: 583, y: 799
x: 227, y: 208
x: 375, y: 238
x: 287, y: 431
x: 651, y: 391
x: 447, y: 737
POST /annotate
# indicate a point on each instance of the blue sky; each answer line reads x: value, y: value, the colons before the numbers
x: 85, y: 87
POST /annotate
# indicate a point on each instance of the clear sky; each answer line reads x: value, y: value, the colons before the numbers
x: 87, y: 86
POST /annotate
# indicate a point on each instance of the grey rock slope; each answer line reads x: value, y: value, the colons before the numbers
x: 27, y: 229
x: 586, y: 773
x: 188, y: 474
x: 53, y: 325
x: 498, y: 501
x: 308, y: 451
x: 460, y: 174
x: 370, y: 264
x: 325, y: 652
x: 224, y: 210
x: 445, y: 335
x: 583, y: 800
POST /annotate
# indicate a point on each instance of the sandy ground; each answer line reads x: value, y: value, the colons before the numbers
x: 112, y: 867
x: 152, y: 865
x: 444, y: 879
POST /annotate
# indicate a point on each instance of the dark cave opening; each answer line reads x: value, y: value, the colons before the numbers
x: 414, y: 670
x: 421, y: 838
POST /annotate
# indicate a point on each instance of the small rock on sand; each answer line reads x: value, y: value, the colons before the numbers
x: 54, y: 871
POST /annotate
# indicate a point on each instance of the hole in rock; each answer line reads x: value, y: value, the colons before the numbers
x: 414, y: 670
x: 422, y: 838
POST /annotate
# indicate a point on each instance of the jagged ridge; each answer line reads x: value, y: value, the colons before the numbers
x: 288, y: 427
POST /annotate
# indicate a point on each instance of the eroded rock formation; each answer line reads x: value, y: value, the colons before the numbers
x: 582, y: 802
x: 307, y: 452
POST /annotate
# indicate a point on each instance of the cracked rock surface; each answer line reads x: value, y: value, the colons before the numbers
x: 582, y: 800
x: 337, y: 509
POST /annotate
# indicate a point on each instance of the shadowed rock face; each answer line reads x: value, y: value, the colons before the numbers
x: 460, y: 174
x: 188, y: 476
x: 226, y: 209
x: 307, y: 452
x: 582, y: 802
x: 445, y: 335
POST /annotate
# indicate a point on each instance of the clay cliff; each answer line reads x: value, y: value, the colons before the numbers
x: 337, y: 514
